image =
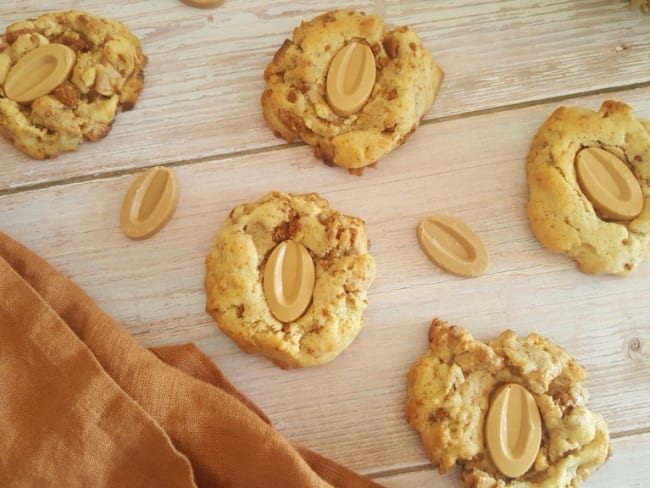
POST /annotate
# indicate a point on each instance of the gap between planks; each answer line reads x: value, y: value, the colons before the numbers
x: 273, y: 148
x: 387, y: 473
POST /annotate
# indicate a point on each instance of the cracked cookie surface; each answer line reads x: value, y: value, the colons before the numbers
x: 107, y: 75
x: 344, y: 270
x: 449, y: 391
x: 295, y: 104
x: 561, y: 216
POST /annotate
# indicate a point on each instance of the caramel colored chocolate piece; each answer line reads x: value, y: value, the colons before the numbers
x: 289, y: 278
x: 609, y: 184
x: 149, y: 203
x: 513, y: 430
x: 452, y: 245
x: 39, y: 72
x: 203, y: 3
x: 351, y: 78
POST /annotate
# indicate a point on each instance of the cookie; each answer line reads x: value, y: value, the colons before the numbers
x: 449, y: 393
x: 561, y: 214
x: 107, y: 75
x: 295, y: 103
x: 343, y: 272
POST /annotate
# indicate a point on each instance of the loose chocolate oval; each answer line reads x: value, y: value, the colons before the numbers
x: 203, y: 3
x: 149, y: 203
x: 351, y: 78
x: 452, y: 245
x: 513, y: 430
x: 609, y: 184
x: 288, y: 282
x: 39, y: 72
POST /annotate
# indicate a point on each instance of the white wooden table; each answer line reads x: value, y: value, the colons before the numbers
x: 508, y: 64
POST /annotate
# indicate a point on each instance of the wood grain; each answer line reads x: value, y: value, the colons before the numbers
x: 472, y: 168
x: 204, y: 77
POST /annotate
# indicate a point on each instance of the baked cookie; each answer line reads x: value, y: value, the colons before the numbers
x: 295, y: 104
x: 450, y: 389
x: 562, y: 216
x: 235, y: 267
x: 107, y: 74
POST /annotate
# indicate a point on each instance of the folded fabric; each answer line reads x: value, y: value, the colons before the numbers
x: 83, y: 404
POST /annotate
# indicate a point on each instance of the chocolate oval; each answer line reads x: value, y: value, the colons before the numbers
x: 609, y: 184
x: 513, y: 430
x: 452, y: 245
x: 149, y: 203
x: 288, y: 282
x: 351, y: 78
x: 39, y: 72
x: 203, y: 3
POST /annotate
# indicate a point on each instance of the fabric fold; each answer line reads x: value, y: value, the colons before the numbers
x: 83, y: 404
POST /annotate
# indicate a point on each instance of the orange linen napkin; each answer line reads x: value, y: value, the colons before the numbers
x: 83, y: 404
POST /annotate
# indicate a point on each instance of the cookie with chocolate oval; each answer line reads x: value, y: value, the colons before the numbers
x: 511, y: 412
x: 589, y: 187
x: 287, y: 277
x: 63, y: 78
x: 349, y: 87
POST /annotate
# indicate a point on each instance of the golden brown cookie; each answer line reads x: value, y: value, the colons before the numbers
x: 561, y: 215
x: 295, y: 104
x: 107, y: 75
x: 449, y: 393
x: 344, y: 270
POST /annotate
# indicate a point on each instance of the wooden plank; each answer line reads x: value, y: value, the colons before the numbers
x: 204, y: 77
x: 352, y: 410
x: 625, y: 468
